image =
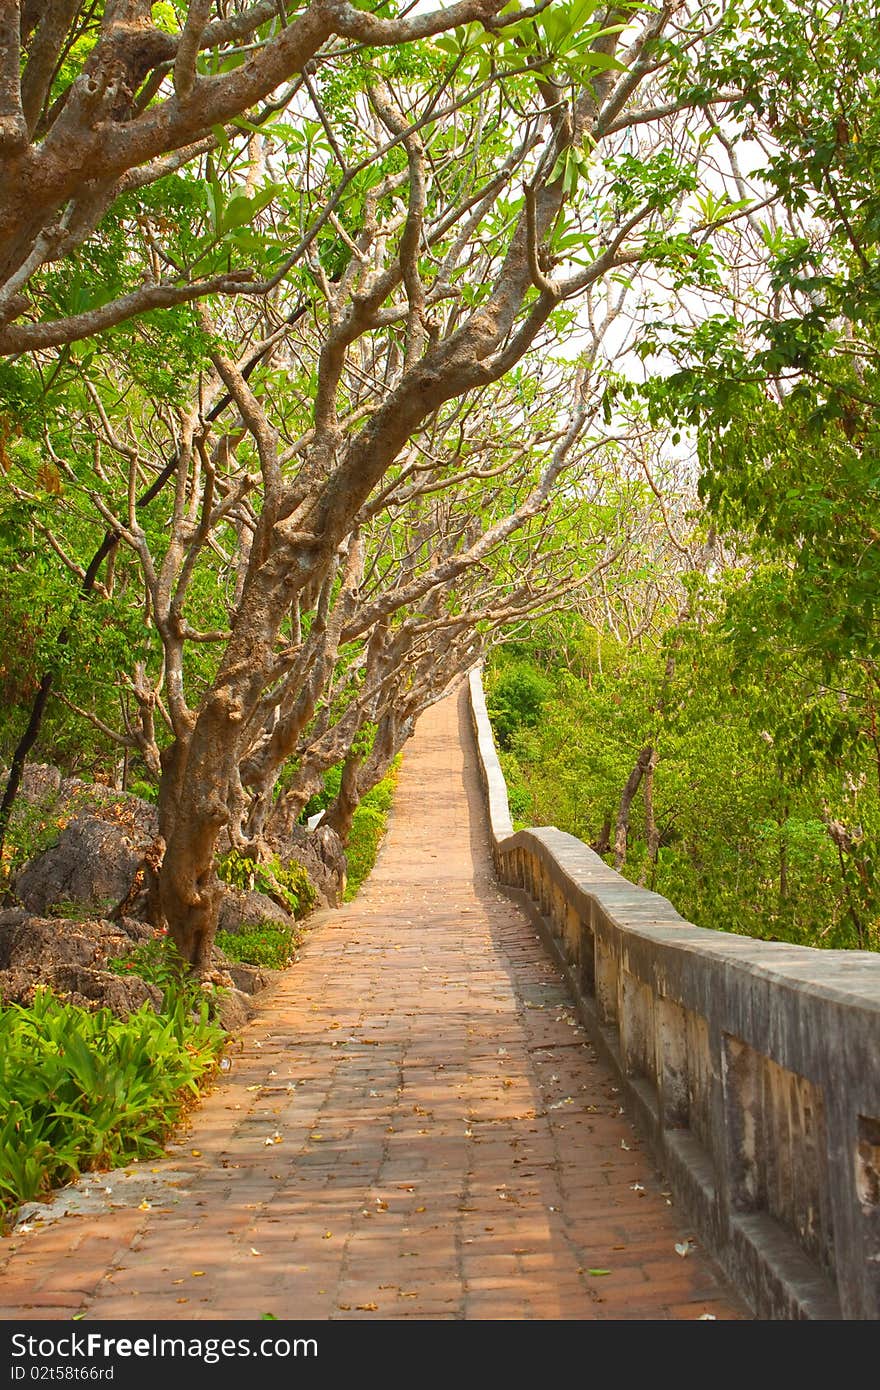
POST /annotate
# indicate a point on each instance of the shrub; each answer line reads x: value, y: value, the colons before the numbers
x: 272, y: 947
x: 31, y: 830
x: 515, y: 701
x: 82, y: 1090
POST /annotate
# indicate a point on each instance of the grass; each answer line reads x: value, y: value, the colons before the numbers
x: 367, y: 832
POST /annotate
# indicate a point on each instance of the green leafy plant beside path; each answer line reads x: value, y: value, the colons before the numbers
x: 82, y: 1090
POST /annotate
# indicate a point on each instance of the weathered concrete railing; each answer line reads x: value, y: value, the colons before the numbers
x: 752, y: 1067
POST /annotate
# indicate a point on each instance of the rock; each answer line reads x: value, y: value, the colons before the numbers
x: 93, y: 865
x: 122, y: 994
x: 40, y: 784
x: 241, y: 908
x: 27, y: 940
x: 250, y: 979
x: 76, y: 798
x: 233, y: 1009
x: 321, y: 854
x: 136, y: 930
x: 79, y: 985
x: 69, y: 958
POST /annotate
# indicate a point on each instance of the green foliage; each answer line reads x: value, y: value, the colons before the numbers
x: 767, y: 814
x: 147, y: 791
x: 516, y: 697
x: 81, y: 1090
x: 367, y: 831
x: 287, y: 884
x: 260, y: 944
x: 159, y: 963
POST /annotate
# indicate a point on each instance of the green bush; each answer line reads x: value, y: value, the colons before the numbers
x: 146, y: 791
x: 31, y: 830
x: 519, y: 799
x: 159, y: 963
x: 272, y: 947
x: 82, y: 1090
x: 516, y: 698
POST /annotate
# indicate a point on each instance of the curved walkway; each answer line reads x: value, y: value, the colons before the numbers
x: 414, y: 1126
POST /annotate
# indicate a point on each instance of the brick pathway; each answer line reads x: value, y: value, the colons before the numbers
x: 414, y: 1127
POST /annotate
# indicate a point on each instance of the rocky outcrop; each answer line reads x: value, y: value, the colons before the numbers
x: 93, y: 866
x: 71, y: 958
x: 241, y: 908
x: 81, y: 899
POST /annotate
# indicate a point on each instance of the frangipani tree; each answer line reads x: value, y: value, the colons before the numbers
x: 427, y: 199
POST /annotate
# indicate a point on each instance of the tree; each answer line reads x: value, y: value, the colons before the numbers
x: 785, y: 397
x: 437, y: 209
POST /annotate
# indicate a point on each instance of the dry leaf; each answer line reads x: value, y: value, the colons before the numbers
x: 367, y: 1307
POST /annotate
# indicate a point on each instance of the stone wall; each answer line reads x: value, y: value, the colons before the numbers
x: 752, y: 1067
